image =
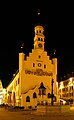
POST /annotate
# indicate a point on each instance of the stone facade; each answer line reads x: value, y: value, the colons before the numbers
x: 32, y: 83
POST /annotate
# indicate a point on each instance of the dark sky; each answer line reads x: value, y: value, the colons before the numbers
x: 17, y: 21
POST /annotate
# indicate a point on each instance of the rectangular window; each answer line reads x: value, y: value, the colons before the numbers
x: 33, y: 64
x: 44, y: 66
x: 38, y: 39
x: 18, y: 80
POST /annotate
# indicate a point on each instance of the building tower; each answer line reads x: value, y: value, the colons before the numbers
x: 39, y: 39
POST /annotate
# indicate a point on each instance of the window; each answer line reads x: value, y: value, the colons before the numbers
x: 39, y: 64
x: 27, y: 99
x: 39, y: 39
x: 34, y: 95
x: 39, y: 56
x: 33, y: 64
x: 18, y: 80
x: 37, y: 31
x: 44, y: 66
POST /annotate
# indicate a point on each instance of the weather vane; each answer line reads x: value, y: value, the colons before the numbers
x: 54, y: 51
x: 22, y: 45
x: 38, y: 11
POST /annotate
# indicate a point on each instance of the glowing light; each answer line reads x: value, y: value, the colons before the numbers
x: 57, y: 84
x: 4, y: 91
x: 64, y: 102
x: 1, y: 96
x: 70, y: 82
x: 61, y: 85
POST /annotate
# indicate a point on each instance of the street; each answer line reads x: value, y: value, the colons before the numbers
x: 33, y: 115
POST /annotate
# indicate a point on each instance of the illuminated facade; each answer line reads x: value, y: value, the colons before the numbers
x: 66, y: 90
x: 32, y: 83
x: 1, y: 92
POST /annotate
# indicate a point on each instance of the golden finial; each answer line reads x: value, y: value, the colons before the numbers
x: 22, y: 45
x: 38, y: 12
x: 54, y: 51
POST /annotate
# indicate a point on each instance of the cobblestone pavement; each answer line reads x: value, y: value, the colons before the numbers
x: 31, y: 115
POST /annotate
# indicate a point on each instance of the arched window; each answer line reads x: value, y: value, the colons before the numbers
x: 38, y: 39
x: 27, y: 99
x: 34, y: 95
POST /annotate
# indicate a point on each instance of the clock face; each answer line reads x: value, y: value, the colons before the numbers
x: 40, y: 45
x: 39, y: 64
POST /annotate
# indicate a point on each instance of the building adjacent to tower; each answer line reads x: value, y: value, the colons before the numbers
x: 66, y: 90
x: 32, y: 83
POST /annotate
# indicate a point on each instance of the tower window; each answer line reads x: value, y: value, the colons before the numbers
x: 39, y: 64
x: 33, y: 64
x: 39, y: 31
x: 39, y: 39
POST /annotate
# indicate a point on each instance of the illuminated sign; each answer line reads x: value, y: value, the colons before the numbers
x: 38, y: 72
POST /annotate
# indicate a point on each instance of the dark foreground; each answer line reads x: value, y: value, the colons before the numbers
x: 33, y: 115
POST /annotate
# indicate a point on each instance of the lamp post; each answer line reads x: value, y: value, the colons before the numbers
x: 52, y: 92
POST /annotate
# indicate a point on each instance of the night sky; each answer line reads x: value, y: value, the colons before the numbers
x: 17, y: 22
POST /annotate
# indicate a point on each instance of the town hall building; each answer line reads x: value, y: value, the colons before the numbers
x: 35, y: 82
